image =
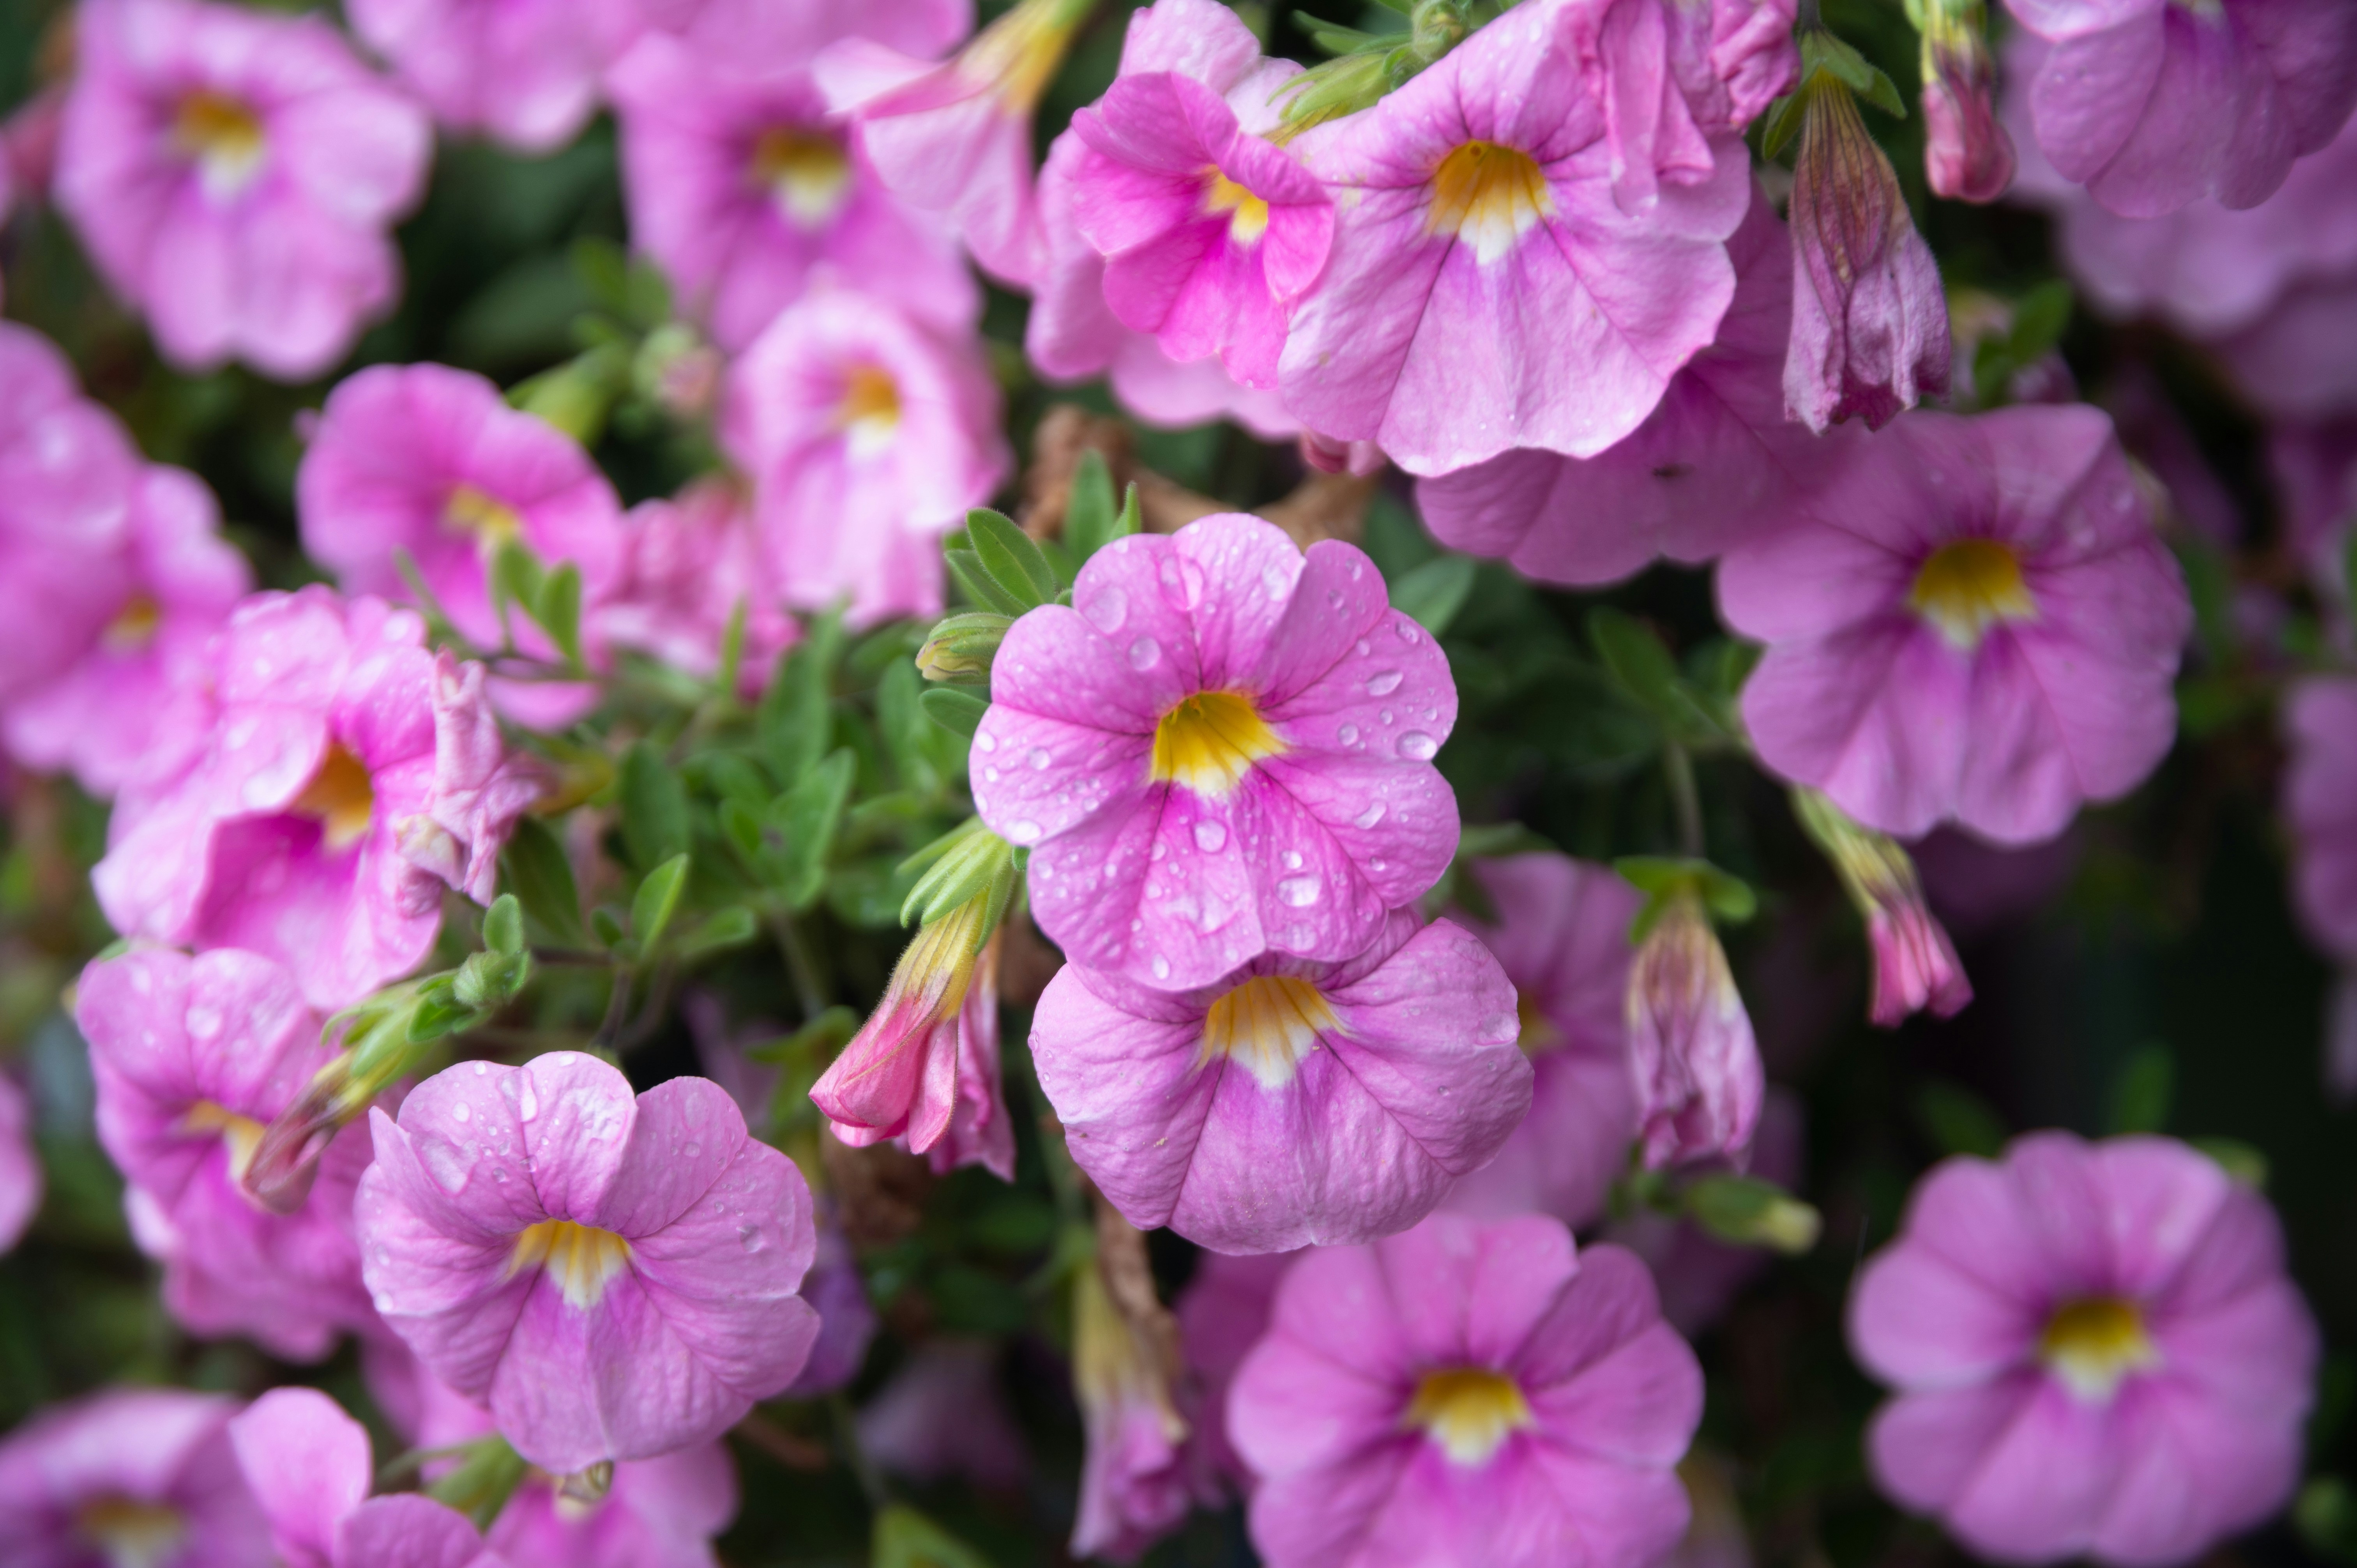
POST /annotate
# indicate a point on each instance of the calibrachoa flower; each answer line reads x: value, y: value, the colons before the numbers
x: 307, y: 1464
x: 1134, y: 1474
x: 348, y: 775
x: 21, y: 1166
x: 688, y: 566
x: 193, y: 1058
x: 1291, y: 1102
x: 1486, y: 289
x: 868, y: 435
x: 1224, y: 748
x: 612, y: 1276
x: 837, y: 1291
x: 1967, y: 156
x: 1699, y: 1079
x: 2319, y: 722
x: 2299, y: 360
x: 234, y: 174
x: 1467, y: 1393
x: 2095, y: 1350
x: 1973, y: 622
x: 132, y: 1476
x: 746, y: 190
x: 925, y: 27
x: 1562, y: 937
x: 2154, y: 103
x: 522, y: 71
x: 1210, y: 232
x: 430, y: 462
x: 1915, y: 966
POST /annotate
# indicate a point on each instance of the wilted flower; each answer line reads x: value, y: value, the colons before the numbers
x: 307, y: 1464
x: 2095, y: 1350
x: 1967, y: 156
x: 130, y: 1477
x: 1466, y: 1392
x: 522, y: 71
x: 21, y: 1166
x: 1133, y: 1480
x: 613, y: 1276
x: 1290, y: 1102
x: 1915, y: 965
x: 1699, y: 1079
x: 234, y: 174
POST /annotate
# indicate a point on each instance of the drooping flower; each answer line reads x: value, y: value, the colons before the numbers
x: 613, y: 1277
x: 1225, y: 749
x: 1290, y: 1102
x: 20, y: 1168
x: 689, y: 565
x: 1967, y: 154
x: 524, y: 73
x: 1134, y: 1477
x: 2154, y: 103
x: 1466, y: 1392
x: 193, y: 1056
x: 1699, y: 1079
x: 1915, y: 965
x: 1486, y: 288
x: 1223, y: 1313
x: 1971, y: 622
x: 2095, y: 1353
x: 1562, y: 937
x: 868, y: 435
x: 307, y: 1464
x: 431, y: 463
x: 1210, y: 232
x: 233, y: 175
x: 130, y: 1476
x: 747, y: 191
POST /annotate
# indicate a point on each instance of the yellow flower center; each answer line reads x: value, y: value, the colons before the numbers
x: 240, y: 1135
x: 2094, y: 1343
x: 807, y: 172
x: 1247, y: 214
x: 1489, y: 197
x: 489, y: 520
x: 1969, y: 585
x: 1538, y: 1033
x: 222, y: 136
x: 582, y: 1259
x: 869, y: 413
x: 134, y: 626
x: 130, y: 1533
x: 341, y: 797
x: 1209, y: 741
x: 1469, y: 1410
x: 1267, y: 1024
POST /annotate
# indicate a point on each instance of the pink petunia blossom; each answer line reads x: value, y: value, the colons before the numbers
x: 747, y: 191
x: 1225, y: 749
x: 1967, y: 154
x: 688, y: 566
x: 1290, y: 1102
x: 1467, y: 1393
x: 613, y: 1276
x: 307, y: 1464
x: 1487, y: 289
x: 1699, y: 1078
x: 925, y: 27
x: 1210, y: 232
x: 2153, y: 103
x: 430, y: 462
x: 234, y: 174
x: 2319, y: 807
x: 868, y: 435
x: 1974, y: 622
x: 1223, y: 1313
x: 837, y: 1291
x: 524, y: 72
x: 2095, y: 1353
x: 21, y: 1182
x: 1562, y: 937
x: 348, y: 776
x: 130, y: 1476
x: 193, y: 1058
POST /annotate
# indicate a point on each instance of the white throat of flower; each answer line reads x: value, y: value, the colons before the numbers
x: 1469, y: 1410
x: 2093, y: 1344
x: 1488, y: 196
x: 223, y: 138
x: 582, y: 1259
x: 1266, y: 1026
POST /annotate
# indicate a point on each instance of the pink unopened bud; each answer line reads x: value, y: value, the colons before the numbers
x: 1967, y: 156
x: 1915, y: 966
x: 1699, y: 1080
x: 1134, y: 1483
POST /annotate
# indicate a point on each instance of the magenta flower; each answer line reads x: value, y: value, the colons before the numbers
x: 944, y: 1414
x: 1677, y: 75
x: 2151, y: 104
x: 1223, y: 1313
x: 430, y: 461
x: 746, y: 191
x: 234, y: 174
x: 925, y: 27
x: 524, y: 72
x: 1225, y: 749
x: 1467, y: 1393
x: 1967, y: 154
x: 1291, y: 1102
x: 687, y: 564
x: 348, y: 776
x: 1699, y: 1078
x: 1486, y: 288
x: 194, y: 1057
x: 1974, y: 622
x: 868, y: 435
x: 2299, y: 360
x: 307, y: 1464
x: 21, y: 1166
x: 612, y: 1276
x: 130, y: 1476
x: 1562, y: 938
x: 2095, y: 1350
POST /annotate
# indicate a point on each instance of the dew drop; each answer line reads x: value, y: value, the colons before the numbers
x: 1161, y: 967
x: 1299, y: 892
x: 1276, y: 580
x: 1348, y: 734
x: 1145, y: 653
x: 1418, y: 745
x: 990, y: 775
x: 1365, y: 647
x: 1038, y: 759
x: 462, y: 1111
x: 985, y: 740
x: 1293, y: 860
x: 1211, y: 836
x: 1383, y: 683
x: 1407, y: 632
x: 1370, y: 816
x: 1106, y: 610
x: 1024, y: 832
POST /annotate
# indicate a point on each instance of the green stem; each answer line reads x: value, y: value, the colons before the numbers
x: 1685, y: 797
x: 800, y: 967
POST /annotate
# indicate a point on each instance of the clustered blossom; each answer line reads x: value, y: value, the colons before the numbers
x: 307, y: 1466
x: 128, y: 1476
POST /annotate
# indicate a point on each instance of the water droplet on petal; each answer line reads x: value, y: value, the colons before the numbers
x: 1024, y: 832
x: 986, y: 741
x: 1161, y: 967
x: 1211, y: 836
x: 1038, y: 759
x: 1370, y: 816
x: 1145, y: 653
x: 1299, y: 892
x: 1293, y: 860
x: 1419, y: 745
x: 462, y: 1111
x: 1348, y: 734
x: 1383, y: 683
x: 1106, y: 609
x: 1407, y: 632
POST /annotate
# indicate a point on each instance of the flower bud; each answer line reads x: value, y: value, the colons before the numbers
x: 1915, y: 965
x: 1699, y: 1082
x: 1967, y: 156
x: 961, y: 647
x: 1124, y: 1360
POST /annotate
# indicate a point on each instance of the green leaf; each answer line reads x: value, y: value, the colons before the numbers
x: 953, y: 708
x: 503, y: 925
x: 2039, y: 319
x: 542, y: 876
x: 731, y: 928
x: 2143, y: 1090
x: 605, y: 270
x: 1752, y: 1213
x: 979, y: 584
x: 2239, y: 1160
x: 1089, y: 514
x: 656, y: 901
x: 1012, y: 562
x: 1637, y: 657
x: 795, y: 724
x: 654, y: 808
x: 1959, y: 1121
x: 1432, y: 593
x: 900, y: 720
x: 557, y: 608
x: 437, y: 1012
x: 742, y: 826
x: 807, y: 817
x: 1783, y: 125
x: 516, y: 577
x: 907, y: 1539
x: 606, y: 922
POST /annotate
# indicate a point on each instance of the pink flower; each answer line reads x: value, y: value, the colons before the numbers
x: 746, y: 190
x: 2299, y: 360
x: 1699, y: 1078
x: 234, y: 174
x: 432, y: 462
x: 1974, y: 622
x: 1223, y: 1313
x: 687, y: 566
x: 2095, y: 1350
x: 524, y: 72
x: 1487, y: 290
x: 2151, y: 104
x: 837, y: 1291
x: 20, y: 1165
x: 944, y: 1414
x: 1225, y: 749
x: 348, y: 776
x: 1715, y: 463
x: 1562, y: 938
x: 2320, y: 806
x: 1915, y: 965
x: 868, y: 435
x: 1677, y: 75
x: 129, y: 1476
x: 1967, y: 156
x: 913, y: 27
x: 1133, y: 1473
x: 1210, y: 232
x: 308, y: 1464
x: 613, y: 1277
x: 194, y: 1057
x: 1467, y: 1393
x: 1291, y: 1102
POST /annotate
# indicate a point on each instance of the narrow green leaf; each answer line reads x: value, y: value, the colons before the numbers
x: 503, y: 925
x: 606, y: 922
x: 953, y: 708
x: 557, y: 608
x: 731, y: 928
x: 656, y: 901
x: 795, y: 722
x: 1089, y: 514
x: 1638, y: 660
x: 2142, y: 1092
x: 2039, y: 319
x: 807, y: 816
x: 516, y: 577
x: 1432, y: 593
x: 654, y: 808
x: 1132, y: 519
x: 979, y: 584
x: 1752, y: 1213
x: 541, y: 875
x: 907, y: 1539
x: 1007, y: 553
x: 900, y: 721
